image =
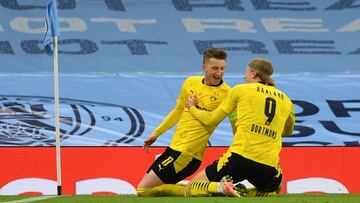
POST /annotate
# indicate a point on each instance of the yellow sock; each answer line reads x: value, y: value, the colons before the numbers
x: 203, y: 188
x: 162, y: 190
x: 253, y: 192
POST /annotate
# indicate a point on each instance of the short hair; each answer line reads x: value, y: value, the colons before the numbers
x: 214, y: 53
x: 263, y: 68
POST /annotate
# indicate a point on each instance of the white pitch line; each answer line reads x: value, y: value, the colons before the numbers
x: 32, y: 199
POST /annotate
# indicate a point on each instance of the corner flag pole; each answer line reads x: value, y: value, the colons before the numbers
x: 57, y: 116
x: 50, y: 44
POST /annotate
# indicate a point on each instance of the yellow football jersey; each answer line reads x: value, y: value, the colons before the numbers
x: 191, y: 136
x: 262, y: 114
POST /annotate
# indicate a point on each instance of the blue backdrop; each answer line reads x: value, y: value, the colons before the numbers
x: 170, y: 36
x: 122, y: 63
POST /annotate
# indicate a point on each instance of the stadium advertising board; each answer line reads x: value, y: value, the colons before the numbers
x: 117, y: 170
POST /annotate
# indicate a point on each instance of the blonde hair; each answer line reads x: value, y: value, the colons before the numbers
x: 214, y: 53
x: 263, y: 69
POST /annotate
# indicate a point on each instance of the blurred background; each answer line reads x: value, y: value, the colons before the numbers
x: 122, y: 63
x: 138, y: 53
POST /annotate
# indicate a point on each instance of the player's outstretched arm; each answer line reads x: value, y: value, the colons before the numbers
x: 171, y: 119
x: 208, y: 118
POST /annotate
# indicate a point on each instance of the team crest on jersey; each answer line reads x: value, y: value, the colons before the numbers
x: 30, y: 121
x: 213, y: 98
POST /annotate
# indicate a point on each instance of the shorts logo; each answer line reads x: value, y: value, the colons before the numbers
x: 166, y: 162
x: 29, y: 121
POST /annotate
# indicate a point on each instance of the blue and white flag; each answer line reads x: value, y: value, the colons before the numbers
x: 52, y: 27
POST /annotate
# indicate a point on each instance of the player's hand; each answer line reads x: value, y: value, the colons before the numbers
x: 148, y: 142
x: 191, y: 101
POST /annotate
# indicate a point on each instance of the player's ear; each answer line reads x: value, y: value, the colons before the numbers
x: 254, y: 74
x: 203, y: 67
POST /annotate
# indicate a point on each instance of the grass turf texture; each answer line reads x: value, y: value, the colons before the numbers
x: 298, y: 198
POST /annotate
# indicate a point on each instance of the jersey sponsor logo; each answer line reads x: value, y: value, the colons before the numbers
x: 30, y: 121
x: 201, y: 108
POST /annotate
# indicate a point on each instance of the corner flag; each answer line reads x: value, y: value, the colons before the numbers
x: 52, y: 27
x: 50, y: 44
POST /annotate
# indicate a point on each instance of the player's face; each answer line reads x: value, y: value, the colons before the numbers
x: 214, y: 70
x: 249, y: 75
